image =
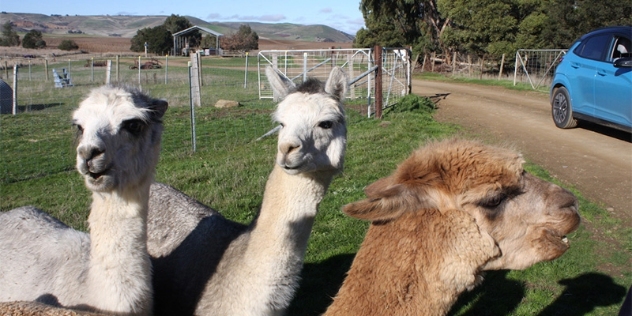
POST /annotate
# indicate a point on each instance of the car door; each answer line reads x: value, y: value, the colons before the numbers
x: 591, y: 54
x: 613, y: 86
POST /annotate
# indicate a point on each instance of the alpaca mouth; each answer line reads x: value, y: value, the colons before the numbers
x: 565, y: 241
x: 96, y: 176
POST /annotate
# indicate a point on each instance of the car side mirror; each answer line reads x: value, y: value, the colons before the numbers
x: 624, y: 62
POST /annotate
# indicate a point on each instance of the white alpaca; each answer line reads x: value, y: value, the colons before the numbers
x: 108, y: 270
x: 205, y: 264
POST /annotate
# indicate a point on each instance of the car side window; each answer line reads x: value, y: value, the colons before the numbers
x: 594, y: 47
x: 622, y: 48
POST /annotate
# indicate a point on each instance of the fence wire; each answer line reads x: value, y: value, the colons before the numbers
x: 39, y: 140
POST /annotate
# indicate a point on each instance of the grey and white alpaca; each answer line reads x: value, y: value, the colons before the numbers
x: 205, y: 264
x: 109, y: 269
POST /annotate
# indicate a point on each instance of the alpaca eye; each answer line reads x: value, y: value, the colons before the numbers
x: 79, y: 128
x: 326, y: 124
x: 134, y: 126
x: 493, y: 201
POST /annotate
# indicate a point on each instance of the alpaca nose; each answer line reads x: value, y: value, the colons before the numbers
x: 90, y: 152
x: 286, y: 148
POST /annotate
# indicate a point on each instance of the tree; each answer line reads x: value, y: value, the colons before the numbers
x: 68, y: 45
x: 33, y: 39
x: 208, y: 41
x: 415, y: 23
x: 486, y: 27
x: 244, y: 40
x: 176, y: 23
x: 158, y: 39
x: 9, y: 36
x: 567, y: 20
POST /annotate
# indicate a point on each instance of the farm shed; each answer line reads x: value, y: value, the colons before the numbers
x: 181, y: 41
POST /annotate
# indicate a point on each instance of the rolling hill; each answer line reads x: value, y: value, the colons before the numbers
x: 128, y: 25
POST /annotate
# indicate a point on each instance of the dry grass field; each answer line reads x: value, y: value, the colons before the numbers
x: 101, y: 46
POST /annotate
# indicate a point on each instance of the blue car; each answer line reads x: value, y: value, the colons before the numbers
x: 593, y: 82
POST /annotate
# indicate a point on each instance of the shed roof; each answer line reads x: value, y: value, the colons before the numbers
x: 199, y: 28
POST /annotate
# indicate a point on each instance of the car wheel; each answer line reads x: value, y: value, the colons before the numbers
x: 561, y: 109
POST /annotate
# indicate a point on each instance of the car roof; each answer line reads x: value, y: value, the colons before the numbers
x: 610, y: 29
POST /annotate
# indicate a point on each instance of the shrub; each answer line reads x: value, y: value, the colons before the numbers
x: 412, y: 103
x: 33, y: 39
x: 68, y: 45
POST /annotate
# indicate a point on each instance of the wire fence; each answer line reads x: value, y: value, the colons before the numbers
x: 533, y: 67
x: 38, y: 140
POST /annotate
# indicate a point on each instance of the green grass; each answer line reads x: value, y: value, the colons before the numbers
x: 230, y: 167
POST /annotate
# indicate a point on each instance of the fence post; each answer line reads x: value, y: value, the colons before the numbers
x: 139, y: 85
x: 46, y: 68
x: 246, y: 72
x: 192, y: 109
x: 15, y: 90
x: 516, y: 67
x: 351, y: 75
x: 108, y: 70
x: 469, y: 65
x: 378, y: 81
x: 29, y: 70
x: 432, y: 59
x: 166, y: 67
x: 304, y: 67
x: 502, y: 64
x: 482, y: 67
x: 195, y: 79
x: 117, y: 68
x: 423, y: 63
x: 453, y: 63
x: 92, y: 69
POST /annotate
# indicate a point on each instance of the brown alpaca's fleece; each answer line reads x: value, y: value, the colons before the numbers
x: 25, y: 308
x: 426, y: 259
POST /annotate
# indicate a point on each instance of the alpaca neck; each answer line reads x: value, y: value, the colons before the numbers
x: 119, y: 273
x: 410, y: 266
x: 289, y: 205
x: 276, y: 241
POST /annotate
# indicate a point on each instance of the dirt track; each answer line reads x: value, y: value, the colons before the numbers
x: 595, y: 160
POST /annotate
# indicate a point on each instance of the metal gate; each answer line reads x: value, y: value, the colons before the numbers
x: 359, y: 64
x: 537, y: 66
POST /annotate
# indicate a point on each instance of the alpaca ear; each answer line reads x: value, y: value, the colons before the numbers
x: 387, y: 200
x: 281, y: 85
x: 336, y: 84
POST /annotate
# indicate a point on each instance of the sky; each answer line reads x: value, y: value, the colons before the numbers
x: 343, y: 15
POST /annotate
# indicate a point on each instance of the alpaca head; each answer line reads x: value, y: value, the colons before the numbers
x: 527, y: 218
x: 313, y: 133
x: 119, y: 132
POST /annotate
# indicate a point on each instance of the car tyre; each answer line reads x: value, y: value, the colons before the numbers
x: 561, y: 109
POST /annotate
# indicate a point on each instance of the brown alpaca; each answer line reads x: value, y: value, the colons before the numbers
x: 31, y: 308
x: 450, y: 211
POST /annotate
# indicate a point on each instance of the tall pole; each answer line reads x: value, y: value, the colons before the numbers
x: 378, y: 81
x: 192, y: 110
x: 139, y: 71
x: 15, y: 90
x: 246, y: 72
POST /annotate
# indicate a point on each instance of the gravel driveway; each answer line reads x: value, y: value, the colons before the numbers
x: 595, y: 160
